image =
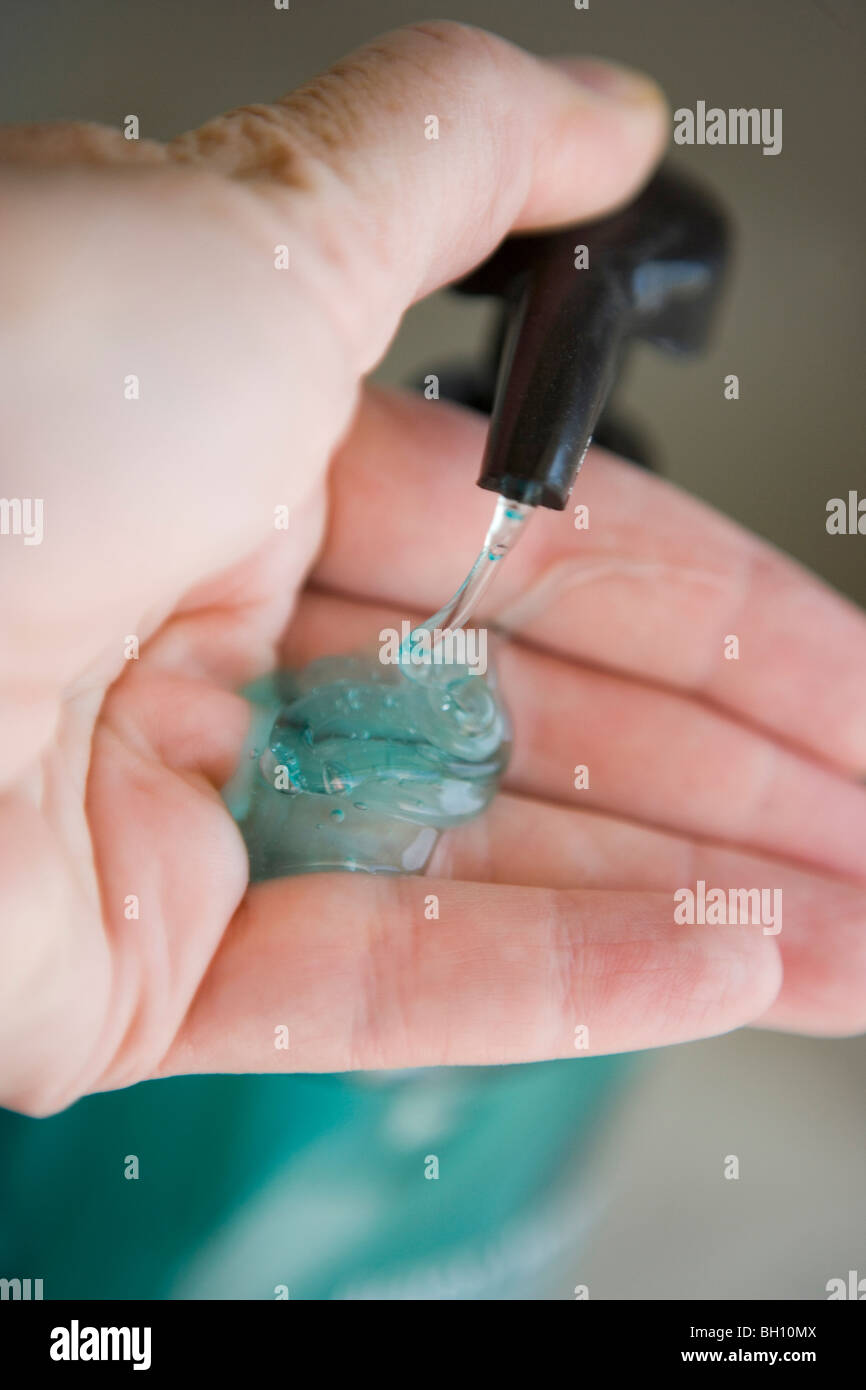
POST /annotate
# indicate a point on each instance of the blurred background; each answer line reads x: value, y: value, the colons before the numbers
x: 662, y: 1221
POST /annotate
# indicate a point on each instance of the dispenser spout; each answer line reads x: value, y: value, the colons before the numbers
x: 576, y: 298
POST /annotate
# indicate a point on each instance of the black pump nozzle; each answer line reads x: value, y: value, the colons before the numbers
x: 653, y: 271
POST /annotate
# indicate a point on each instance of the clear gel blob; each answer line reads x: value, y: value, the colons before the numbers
x: 356, y: 765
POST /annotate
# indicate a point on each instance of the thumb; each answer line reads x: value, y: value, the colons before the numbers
x: 403, y: 165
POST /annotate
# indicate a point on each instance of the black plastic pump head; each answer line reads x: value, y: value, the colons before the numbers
x: 576, y: 298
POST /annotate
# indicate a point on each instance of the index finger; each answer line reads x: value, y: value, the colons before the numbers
x: 364, y: 980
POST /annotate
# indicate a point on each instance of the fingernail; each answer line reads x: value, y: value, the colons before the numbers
x: 611, y: 80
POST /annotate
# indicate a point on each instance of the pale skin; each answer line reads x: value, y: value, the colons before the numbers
x: 555, y: 910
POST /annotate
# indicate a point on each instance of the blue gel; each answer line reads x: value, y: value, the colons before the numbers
x: 352, y: 764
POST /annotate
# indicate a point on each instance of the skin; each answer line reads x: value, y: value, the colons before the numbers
x: 555, y: 909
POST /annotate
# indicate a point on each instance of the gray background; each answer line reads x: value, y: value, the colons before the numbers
x: 793, y: 330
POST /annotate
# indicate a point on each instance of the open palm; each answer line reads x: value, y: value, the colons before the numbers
x: 132, y: 946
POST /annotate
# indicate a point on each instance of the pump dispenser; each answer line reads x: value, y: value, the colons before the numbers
x: 575, y: 300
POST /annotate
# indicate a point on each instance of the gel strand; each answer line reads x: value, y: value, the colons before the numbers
x: 504, y: 530
x: 356, y: 764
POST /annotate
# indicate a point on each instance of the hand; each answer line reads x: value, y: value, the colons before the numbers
x: 131, y: 261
